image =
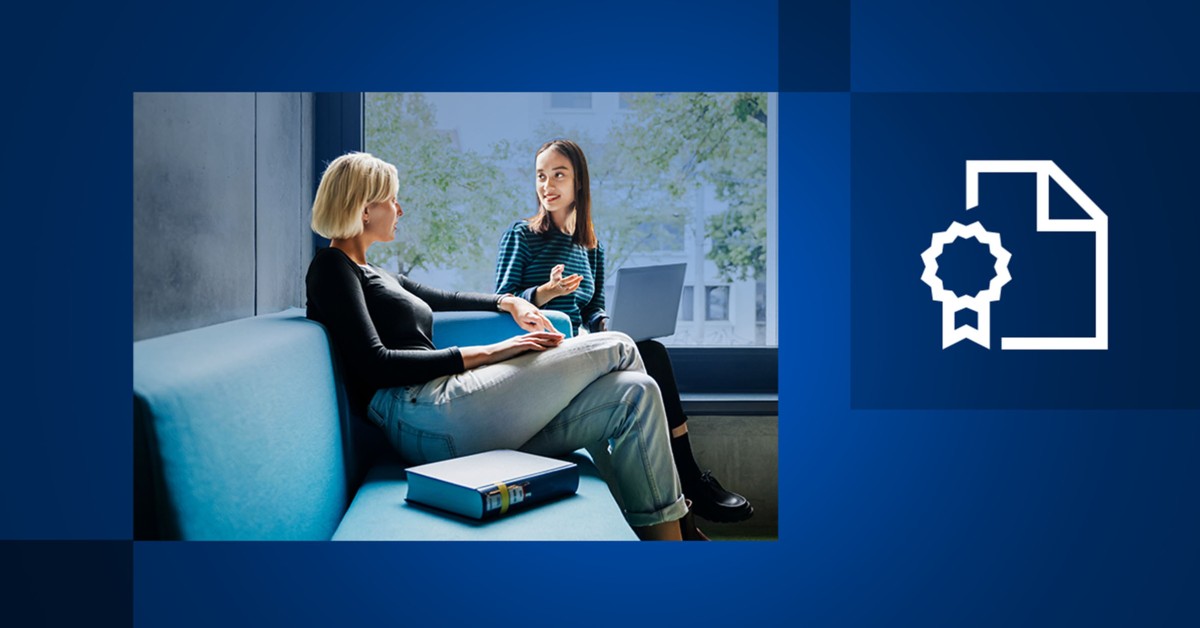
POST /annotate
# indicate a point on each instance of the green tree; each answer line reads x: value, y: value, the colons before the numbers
x: 645, y: 177
x: 674, y: 144
x: 456, y: 203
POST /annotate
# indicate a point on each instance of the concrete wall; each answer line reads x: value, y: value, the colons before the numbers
x: 221, y: 194
x: 743, y: 454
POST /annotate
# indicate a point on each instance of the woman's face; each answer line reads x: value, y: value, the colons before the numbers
x: 555, y: 181
x: 382, y: 219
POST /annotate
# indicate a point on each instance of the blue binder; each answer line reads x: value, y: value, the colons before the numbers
x: 491, y: 484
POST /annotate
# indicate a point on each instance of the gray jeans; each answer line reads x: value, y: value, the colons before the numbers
x: 591, y: 391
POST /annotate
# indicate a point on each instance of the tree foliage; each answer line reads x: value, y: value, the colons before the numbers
x: 456, y: 203
x: 646, y: 177
x: 681, y: 142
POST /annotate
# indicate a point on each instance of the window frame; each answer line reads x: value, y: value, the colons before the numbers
x: 337, y: 130
x: 688, y: 299
x: 338, y: 119
x: 550, y: 106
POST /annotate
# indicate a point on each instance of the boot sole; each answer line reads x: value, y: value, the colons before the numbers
x: 726, y: 517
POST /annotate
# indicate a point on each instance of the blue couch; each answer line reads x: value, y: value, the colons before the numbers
x: 241, y: 431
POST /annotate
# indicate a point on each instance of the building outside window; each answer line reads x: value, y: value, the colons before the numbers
x: 716, y: 303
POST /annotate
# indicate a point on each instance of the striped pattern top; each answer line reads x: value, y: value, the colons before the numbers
x: 524, y: 262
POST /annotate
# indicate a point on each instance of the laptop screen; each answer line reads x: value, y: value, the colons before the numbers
x: 645, y: 303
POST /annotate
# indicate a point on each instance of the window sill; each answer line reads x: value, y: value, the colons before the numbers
x: 730, y: 404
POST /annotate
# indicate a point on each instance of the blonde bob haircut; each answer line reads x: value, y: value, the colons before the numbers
x: 349, y: 184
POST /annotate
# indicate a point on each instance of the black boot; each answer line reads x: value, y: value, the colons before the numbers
x: 711, y: 501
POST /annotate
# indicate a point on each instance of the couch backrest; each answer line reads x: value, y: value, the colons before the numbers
x: 239, y: 432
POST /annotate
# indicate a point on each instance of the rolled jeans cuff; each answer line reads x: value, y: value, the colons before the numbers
x: 672, y: 512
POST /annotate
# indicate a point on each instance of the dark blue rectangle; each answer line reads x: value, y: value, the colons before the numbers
x: 952, y: 518
x: 622, y: 45
x: 1025, y: 45
x: 66, y: 583
x: 68, y: 445
x: 1133, y: 155
x: 438, y: 584
x: 1034, y: 518
x: 814, y: 46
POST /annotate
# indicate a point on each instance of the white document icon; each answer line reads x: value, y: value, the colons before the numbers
x: 1096, y: 222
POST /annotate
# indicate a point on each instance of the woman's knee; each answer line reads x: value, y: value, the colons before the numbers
x: 641, y: 394
x: 621, y: 346
x: 614, y: 338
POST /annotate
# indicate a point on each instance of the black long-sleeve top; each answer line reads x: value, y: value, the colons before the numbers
x: 381, y: 325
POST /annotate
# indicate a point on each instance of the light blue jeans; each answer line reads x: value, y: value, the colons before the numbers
x: 591, y: 391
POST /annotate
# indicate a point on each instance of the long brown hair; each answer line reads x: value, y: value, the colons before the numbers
x: 585, y: 233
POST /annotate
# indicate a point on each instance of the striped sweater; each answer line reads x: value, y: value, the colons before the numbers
x: 524, y: 262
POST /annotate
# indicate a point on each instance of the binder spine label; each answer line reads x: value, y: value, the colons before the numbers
x: 504, y: 496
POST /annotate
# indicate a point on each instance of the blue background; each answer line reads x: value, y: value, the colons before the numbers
x: 887, y: 517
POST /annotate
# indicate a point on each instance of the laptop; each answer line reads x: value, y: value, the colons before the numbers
x: 645, y: 303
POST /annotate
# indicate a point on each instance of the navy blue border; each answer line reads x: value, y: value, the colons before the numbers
x: 897, y: 518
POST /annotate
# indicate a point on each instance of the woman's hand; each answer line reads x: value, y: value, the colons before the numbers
x: 511, y: 348
x: 558, y: 285
x: 526, y: 314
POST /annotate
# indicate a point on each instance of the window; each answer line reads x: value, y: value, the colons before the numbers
x: 716, y: 303
x: 466, y: 177
x: 675, y: 177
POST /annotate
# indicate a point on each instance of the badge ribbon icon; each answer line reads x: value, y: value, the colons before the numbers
x: 952, y: 303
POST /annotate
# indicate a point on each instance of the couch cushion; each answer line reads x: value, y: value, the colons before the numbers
x: 242, y: 429
x: 379, y: 512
